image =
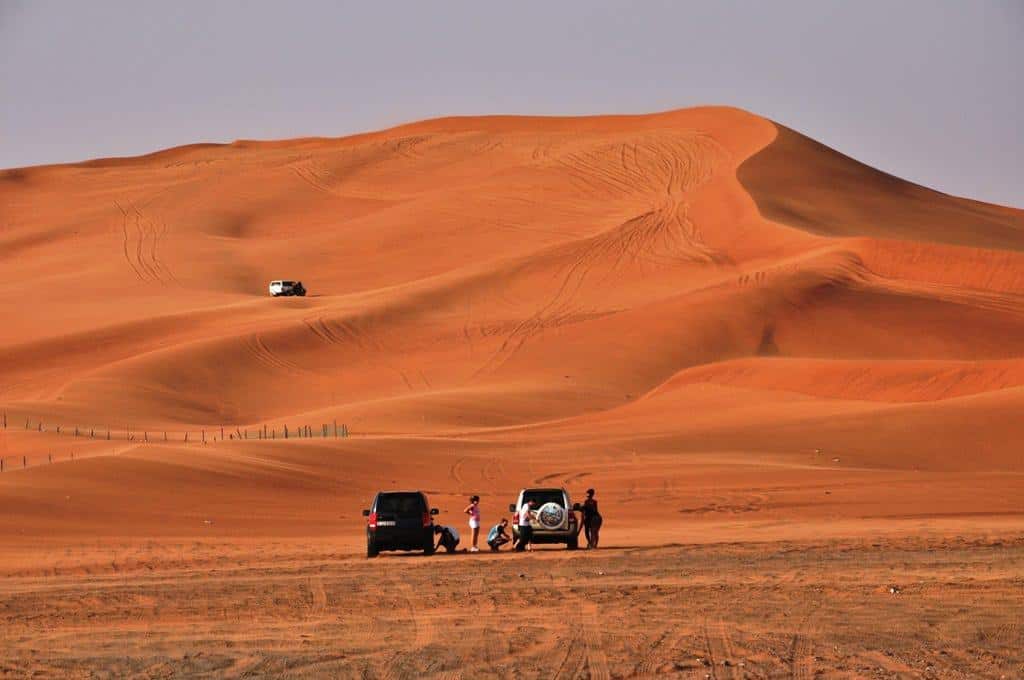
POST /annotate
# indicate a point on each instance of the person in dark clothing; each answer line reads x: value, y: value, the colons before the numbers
x: 591, y: 523
x: 447, y: 537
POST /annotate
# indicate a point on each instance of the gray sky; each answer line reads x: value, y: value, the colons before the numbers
x: 929, y: 90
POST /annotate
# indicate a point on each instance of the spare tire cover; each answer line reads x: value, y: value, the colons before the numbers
x: 551, y: 515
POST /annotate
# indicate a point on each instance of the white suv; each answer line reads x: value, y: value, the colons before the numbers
x: 555, y: 516
x: 286, y: 288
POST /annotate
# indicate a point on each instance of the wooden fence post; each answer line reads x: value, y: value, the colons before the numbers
x: 204, y: 435
x: 24, y: 461
x: 186, y: 436
x: 76, y: 430
x: 108, y: 434
x: 49, y: 457
x: 286, y: 431
x: 222, y: 433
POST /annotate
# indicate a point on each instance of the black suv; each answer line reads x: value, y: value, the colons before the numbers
x: 399, y: 520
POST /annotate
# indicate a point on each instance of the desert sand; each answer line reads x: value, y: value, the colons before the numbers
x: 794, y: 380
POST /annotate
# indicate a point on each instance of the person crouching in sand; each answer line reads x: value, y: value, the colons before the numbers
x: 497, y: 536
x: 447, y: 537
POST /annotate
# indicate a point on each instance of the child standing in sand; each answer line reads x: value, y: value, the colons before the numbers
x: 473, y: 510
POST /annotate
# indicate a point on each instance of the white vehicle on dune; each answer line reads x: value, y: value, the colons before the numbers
x: 286, y: 288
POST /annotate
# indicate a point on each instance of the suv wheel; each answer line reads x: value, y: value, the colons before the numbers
x: 371, y: 549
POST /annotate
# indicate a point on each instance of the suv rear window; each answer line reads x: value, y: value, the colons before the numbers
x: 541, y: 497
x: 401, y: 504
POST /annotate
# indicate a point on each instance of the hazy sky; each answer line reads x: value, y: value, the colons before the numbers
x: 932, y: 91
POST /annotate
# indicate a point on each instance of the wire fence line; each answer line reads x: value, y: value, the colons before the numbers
x: 128, y: 433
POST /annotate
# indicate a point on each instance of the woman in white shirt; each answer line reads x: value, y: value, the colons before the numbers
x: 526, y: 514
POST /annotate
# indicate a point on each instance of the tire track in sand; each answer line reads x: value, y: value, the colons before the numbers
x: 124, y: 230
x: 803, y: 658
x: 573, y: 662
x: 146, y: 263
x: 661, y: 653
x: 455, y: 472
x: 802, y: 653
x: 401, y: 666
x: 584, y: 651
x: 478, y: 663
x: 719, y: 650
x: 318, y: 597
x: 597, y: 662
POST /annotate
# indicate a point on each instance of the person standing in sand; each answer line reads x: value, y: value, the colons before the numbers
x: 473, y: 510
x: 526, y: 514
x: 592, y: 520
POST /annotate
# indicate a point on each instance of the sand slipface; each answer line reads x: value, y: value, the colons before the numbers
x: 733, y: 332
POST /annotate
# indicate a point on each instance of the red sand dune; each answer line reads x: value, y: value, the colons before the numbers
x: 738, y: 336
x: 629, y: 299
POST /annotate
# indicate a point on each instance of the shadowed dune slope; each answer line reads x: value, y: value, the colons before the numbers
x: 799, y: 182
x: 688, y: 282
